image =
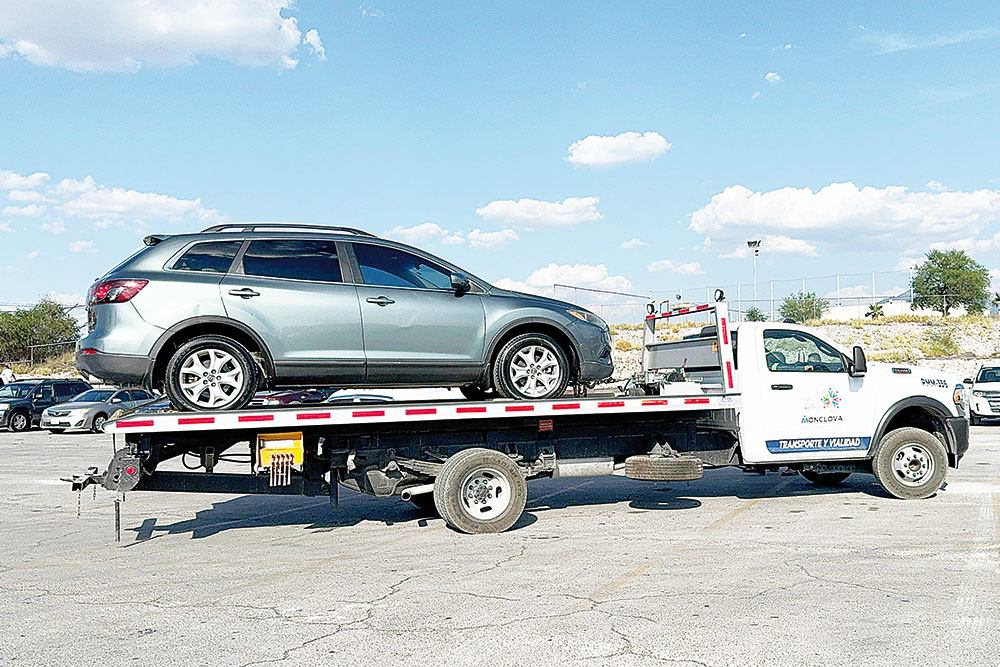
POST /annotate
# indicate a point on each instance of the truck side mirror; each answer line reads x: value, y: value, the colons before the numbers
x: 460, y: 284
x: 859, y: 365
x: 967, y: 381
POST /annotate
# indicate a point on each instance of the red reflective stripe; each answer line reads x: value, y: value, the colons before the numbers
x: 566, y: 406
x: 704, y: 307
x: 725, y: 332
x: 648, y: 317
x: 136, y: 423
x: 699, y: 401
x: 681, y: 311
x: 313, y: 415
x: 656, y: 401
x: 368, y: 413
x: 195, y: 420
x: 256, y: 418
x: 729, y: 374
x: 477, y: 408
x: 519, y: 408
x: 611, y: 404
x: 422, y: 411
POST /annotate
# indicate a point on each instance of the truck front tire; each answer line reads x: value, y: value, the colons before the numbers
x: 480, y: 491
x: 910, y: 463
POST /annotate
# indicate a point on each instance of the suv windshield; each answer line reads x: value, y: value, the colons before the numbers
x: 16, y: 390
x: 92, y: 396
x: 988, y: 375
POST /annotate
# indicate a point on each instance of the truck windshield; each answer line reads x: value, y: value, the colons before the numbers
x: 16, y: 390
x: 988, y: 375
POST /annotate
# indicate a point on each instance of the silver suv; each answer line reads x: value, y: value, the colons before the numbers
x: 212, y: 317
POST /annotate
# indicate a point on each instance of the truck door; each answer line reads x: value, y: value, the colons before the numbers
x: 809, y: 407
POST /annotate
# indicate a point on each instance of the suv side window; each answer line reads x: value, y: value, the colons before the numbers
x: 389, y: 267
x: 65, y: 391
x: 209, y: 257
x: 43, y: 392
x: 294, y: 259
x: 797, y: 352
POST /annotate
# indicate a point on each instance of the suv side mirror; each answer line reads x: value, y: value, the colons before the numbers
x: 460, y: 284
x: 116, y: 400
x: 967, y: 381
x: 858, y: 365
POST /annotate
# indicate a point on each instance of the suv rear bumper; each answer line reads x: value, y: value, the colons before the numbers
x: 124, y: 369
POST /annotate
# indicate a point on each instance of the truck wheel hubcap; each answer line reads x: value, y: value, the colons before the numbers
x: 534, y: 370
x: 211, y: 378
x: 912, y: 464
x: 486, y: 494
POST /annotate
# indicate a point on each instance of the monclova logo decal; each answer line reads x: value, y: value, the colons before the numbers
x: 806, y: 419
x: 831, y: 399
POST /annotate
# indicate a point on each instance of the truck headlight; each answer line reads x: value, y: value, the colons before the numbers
x: 4, y: 406
x: 959, y: 395
x: 979, y: 393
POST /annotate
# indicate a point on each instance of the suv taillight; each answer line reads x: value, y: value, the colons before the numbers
x: 114, y: 291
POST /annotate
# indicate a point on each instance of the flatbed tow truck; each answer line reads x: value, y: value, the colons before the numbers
x: 760, y: 396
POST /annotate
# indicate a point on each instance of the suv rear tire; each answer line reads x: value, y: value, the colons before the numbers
x: 211, y: 373
x: 531, y: 367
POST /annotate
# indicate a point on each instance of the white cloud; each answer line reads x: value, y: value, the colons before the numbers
x: 103, y: 202
x: 742, y: 35
x: 367, y: 10
x: 688, y: 268
x: 315, y: 44
x: 969, y: 244
x: 888, y: 42
x: 31, y: 210
x: 71, y: 186
x: 755, y: 95
x: 788, y: 46
x: 454, y: 238
x: 532, y: 213
x: 634, y: 242
x: 82, y: 246
x: 28, y: 196
x: 125, y: 35
x: 541, y: 280
x: 10, y: 180
x: 67, y: 298
x: 772, y: 77
x: 56, y: 227
x: 841, y: 213
x: 597, y: 151
x: 32, y: 255
x: 426, y: 232
x: 6, y: 228
x: 936, y: 186
x: 774, y: 244
x: 490, y: 240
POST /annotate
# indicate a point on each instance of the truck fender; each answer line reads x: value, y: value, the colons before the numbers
x: 930, y: 405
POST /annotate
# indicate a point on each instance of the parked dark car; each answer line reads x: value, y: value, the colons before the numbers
x: 214, y: 317
x: 22, y: 402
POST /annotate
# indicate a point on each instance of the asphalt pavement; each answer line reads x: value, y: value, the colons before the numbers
x: 733, y: 569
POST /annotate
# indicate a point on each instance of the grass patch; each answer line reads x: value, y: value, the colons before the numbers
x: 893, y: 356
x: 939, y: 343
x: 623, y: 345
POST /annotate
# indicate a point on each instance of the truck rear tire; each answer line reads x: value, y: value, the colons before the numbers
x: 910, y: 463
x: 825, y: 478
x: 480, y: 491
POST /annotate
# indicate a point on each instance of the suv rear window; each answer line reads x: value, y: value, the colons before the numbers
x: 294, y: 259
x: 210, y: 257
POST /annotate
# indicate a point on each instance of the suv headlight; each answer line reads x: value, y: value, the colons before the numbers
x: 588, y: 317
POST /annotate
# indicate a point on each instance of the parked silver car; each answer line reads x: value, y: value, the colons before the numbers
x: 91, y: 409
x: 212, y: 317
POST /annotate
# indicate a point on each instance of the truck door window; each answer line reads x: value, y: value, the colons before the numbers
x: 793, y: 351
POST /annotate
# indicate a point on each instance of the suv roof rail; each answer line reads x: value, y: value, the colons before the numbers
x: 254, y: 226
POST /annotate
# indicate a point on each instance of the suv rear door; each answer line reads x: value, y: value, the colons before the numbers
x: 293, y: 294
x: 417, y: 330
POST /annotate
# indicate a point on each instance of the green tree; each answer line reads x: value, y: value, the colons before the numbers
x: 803, y: 306
x: 43, y: 323
x: 755, y: 314
x: 950, y: 278
x: 874, y: 311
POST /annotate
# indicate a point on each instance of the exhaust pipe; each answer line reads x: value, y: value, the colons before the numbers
x: 411, y: 491
x: 587, y: 467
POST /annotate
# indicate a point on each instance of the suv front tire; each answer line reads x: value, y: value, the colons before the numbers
x: 211, y: 373
x: 531, y: 367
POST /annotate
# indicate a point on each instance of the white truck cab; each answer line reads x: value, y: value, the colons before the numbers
x: 985, y: 401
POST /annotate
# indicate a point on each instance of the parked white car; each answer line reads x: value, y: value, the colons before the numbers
x: 985, y: 394
x: 91, y: 409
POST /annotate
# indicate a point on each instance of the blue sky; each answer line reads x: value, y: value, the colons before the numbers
x: 850, y: 138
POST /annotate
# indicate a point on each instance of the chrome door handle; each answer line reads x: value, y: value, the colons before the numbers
x: 380, y: 300
x: 244, y: 293
x: 778, y: 387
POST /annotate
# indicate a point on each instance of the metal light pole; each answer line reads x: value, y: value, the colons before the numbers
x: 755, y: 247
